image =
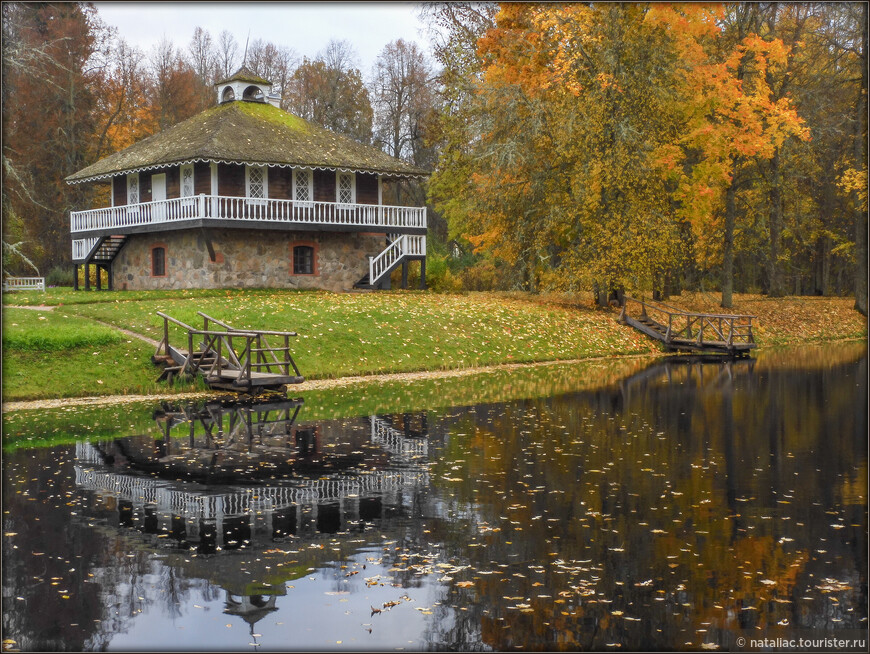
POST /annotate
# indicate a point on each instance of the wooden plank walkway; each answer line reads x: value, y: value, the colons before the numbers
x: 228, y: 358
x: 678, y: 330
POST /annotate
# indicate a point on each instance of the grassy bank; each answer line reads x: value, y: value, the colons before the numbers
x: 66, y: 352
x: 27, y: 428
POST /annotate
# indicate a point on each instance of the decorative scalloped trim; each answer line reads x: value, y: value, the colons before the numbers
x: 255, y: 163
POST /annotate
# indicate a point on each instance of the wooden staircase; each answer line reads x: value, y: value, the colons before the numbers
x: 100, y: 250
x: 400, y: 249
x: 678, y: 330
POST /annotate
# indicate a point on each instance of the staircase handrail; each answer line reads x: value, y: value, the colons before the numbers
x: 389, y: 255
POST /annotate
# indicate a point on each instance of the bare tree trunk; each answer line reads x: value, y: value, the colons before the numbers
x: 822, y: 266
x: 774, y: 270
x: 728, y: 247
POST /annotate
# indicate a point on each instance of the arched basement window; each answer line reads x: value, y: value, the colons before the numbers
x: 158, y: 261
x: 228, y: 94
x: 254, y: 93
x: 303, y: 260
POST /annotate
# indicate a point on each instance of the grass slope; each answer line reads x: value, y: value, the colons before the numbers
x: 352, y: 334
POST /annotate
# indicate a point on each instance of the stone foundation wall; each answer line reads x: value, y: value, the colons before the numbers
x: 245, y: 259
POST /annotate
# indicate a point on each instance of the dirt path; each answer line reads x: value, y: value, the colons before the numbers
x: 317, y: 384
x: 37, y: 307
x: 141, y: 337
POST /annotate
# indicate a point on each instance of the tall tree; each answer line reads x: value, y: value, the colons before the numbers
x: 565, y: 174
x: 227, y: 54
x: 174, y: 93
x: 54, y: 62
x: 330, y: 92
x: 405, y: 105
x: 273, y: 63
x: 454, y: 29
x: 731, y: 122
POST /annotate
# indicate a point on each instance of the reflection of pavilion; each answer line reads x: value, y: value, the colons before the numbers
x: 251, y: 608
x: 282, y: 487
x: 402, y: 441
x: 226, y: 474
x: 218, y: 517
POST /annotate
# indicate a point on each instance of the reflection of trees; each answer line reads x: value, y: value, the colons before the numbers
x: 696, y: 509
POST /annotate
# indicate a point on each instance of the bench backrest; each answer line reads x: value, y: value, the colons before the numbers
x: 24, y: 284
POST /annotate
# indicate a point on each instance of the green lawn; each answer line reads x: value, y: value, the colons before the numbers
x: 48, y: 354
x: 355, y: 333
x: 67, y: 353
x: 338, y: 334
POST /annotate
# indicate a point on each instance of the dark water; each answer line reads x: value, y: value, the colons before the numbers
x: 684, y: 507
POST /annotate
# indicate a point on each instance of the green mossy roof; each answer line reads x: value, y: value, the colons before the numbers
x: 247, y: 132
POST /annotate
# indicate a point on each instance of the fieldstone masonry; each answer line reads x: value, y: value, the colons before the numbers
x: 245, y: 259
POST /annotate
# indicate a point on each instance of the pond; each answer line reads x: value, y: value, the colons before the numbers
x: 648, y: 504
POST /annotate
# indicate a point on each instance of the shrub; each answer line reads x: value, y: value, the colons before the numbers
x: 59, y: 276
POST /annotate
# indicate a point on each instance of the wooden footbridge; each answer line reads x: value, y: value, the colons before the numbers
x: 678, y: 330
x: 228, y: 358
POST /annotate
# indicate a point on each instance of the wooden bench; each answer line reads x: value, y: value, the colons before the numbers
x: 24, y: 284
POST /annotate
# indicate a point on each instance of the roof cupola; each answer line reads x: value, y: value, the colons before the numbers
x: 245, y: 85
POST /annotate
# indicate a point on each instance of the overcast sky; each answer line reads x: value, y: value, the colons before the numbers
x: 305, y: 27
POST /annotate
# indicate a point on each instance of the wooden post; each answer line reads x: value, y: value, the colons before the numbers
x: 87, y: 276
x: 75, y: 276
x: 99, y: 270
x: 287, y: 356
x: 109, y: 284
x: 423, y: 274
x: 404, y: 273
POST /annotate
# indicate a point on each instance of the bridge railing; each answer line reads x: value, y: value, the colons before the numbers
x: 730, y: 329
x: 265, y: 355
x: 214, y: 353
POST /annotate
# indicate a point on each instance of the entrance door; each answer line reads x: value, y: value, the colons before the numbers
x: 158, y: 195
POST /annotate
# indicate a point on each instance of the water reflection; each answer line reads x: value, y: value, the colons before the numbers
x: 228, y: 476
x: 670, y: 509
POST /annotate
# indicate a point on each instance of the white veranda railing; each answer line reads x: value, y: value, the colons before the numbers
x: 246, y: 209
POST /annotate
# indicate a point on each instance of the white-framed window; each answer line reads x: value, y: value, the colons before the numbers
x: 256, y: 182
x: 133, y: 188
x: 303, y: 185
x: 345, y: 188
x: 187, y: 181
